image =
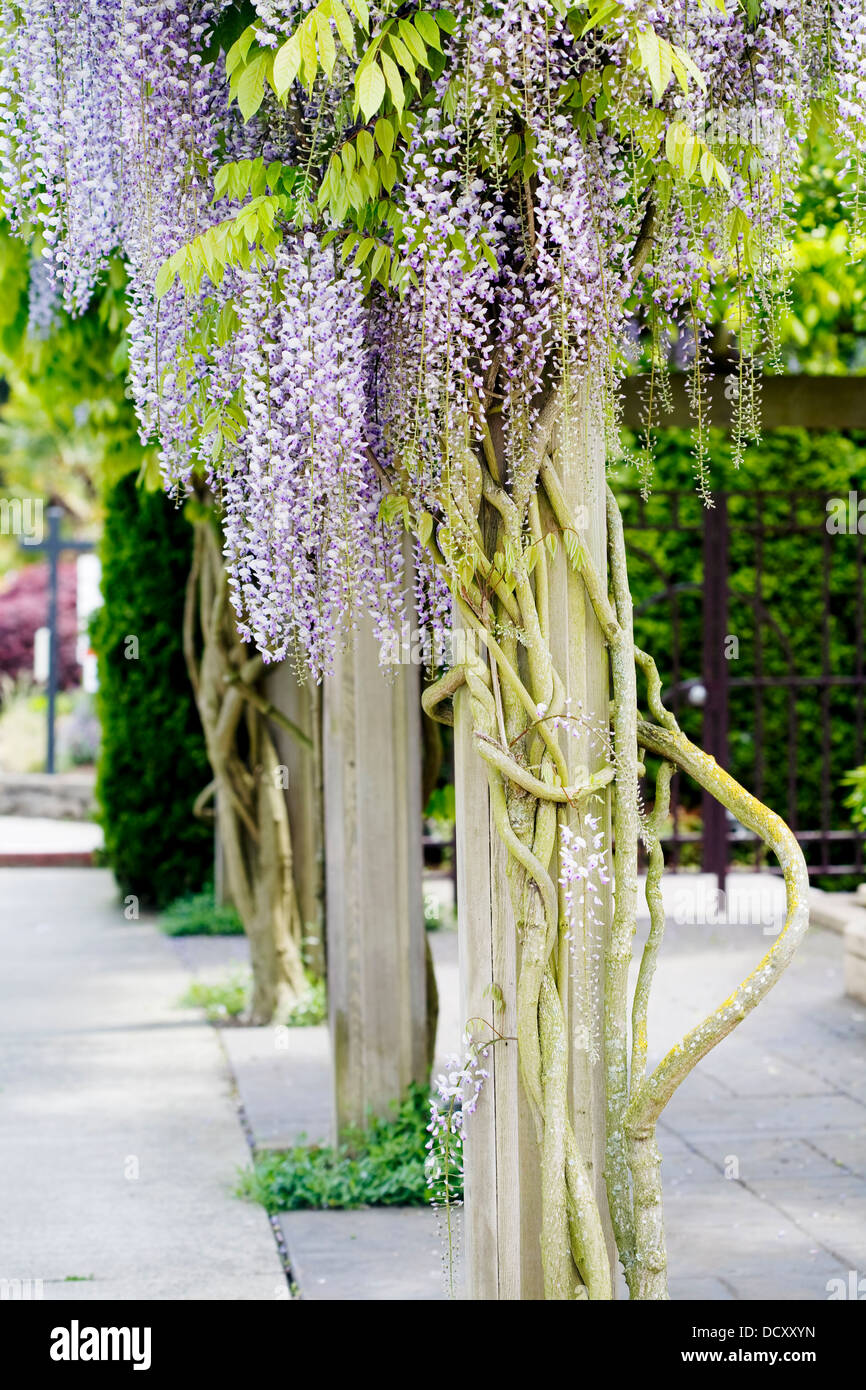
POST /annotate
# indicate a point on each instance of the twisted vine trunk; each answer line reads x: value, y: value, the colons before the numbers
x: 252, y: 821
x: 561, y: 986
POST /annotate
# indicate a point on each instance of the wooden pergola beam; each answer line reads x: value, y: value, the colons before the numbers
x: 787, y: 402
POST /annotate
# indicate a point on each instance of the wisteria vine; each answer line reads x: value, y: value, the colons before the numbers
x: 387, y: 266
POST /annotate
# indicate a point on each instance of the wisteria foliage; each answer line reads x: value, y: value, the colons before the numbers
x: 360, y: 238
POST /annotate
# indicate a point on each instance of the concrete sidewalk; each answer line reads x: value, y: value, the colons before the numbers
x: 119, y: 1133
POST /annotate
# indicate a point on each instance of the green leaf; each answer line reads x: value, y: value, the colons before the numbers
x: 603, y: 12
x: 392, y: 506
x: 424, y: 527
x: 327, y: 47
x: 384, y: 135
x: 681, y: 56
x: 487, y: 253
x: 366, y: 147
x: 387, y: 173
x: 403, y: 56
x: 722, y: 174
x: 165, y: 277
x: 414, y: 42
x: 343, y: 25
x: 394, y: 80
x: 691, y: 155
x: 652, y: 61
x: 359, y: 9
x: 428, y: 29
x: 309, y: 54
x: 237, y: 54
x: 287, y: 64
x: 707, y: 168
x: 251, y: 86
x: 369, y: 89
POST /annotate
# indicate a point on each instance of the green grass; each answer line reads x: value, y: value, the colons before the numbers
x: 222, y: 1000
x: 199, y: 915
x: 226, y: 999
x: 311, y: 1009
x: 379, y: 1166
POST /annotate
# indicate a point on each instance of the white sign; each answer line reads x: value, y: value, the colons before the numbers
x: 88, y: 574
x: 41, y: 654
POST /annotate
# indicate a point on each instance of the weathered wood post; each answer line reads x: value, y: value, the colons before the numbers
x: 502, y: 1218
x: 373, y: 855
x: 301, y: 702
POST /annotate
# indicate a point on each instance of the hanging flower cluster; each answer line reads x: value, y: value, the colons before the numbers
x: 456, y: 1092
x: 59, y: 133
x: 302, y: 540
x: 584, y: 872
x: 429, y: 222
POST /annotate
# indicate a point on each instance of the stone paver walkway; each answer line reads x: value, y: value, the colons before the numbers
x: 119, y: 1134
x: 764, y: 1146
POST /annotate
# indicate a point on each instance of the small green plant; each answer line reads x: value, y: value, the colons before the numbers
x: 312, y: 1007
x: 199, y: 915
x: 380, y: 1165
x: 223, y: 1000
x: 856, y: 800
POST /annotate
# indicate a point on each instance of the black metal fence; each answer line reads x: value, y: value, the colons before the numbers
x: 754, y: 610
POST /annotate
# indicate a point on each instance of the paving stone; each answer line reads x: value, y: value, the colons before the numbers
x: 284, y: 1080
x: 380, y: 1253
x: 786, y: 1157
x: 748, y: 1116
x: 844, y: 1151
x: 702, y: 1289
x: 831, y: 1210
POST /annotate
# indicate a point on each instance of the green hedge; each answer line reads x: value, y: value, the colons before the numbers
x: 785, y: 460
x: 152, y: 761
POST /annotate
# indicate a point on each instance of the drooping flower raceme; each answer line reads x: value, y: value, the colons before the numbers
x: 499, y: 202
x: 59, y: 133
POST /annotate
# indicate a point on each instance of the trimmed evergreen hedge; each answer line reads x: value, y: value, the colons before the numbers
x: 152, y: 762
x: 786, y: 461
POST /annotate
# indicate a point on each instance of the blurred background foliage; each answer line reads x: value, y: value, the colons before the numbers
x: 68, y: 435
x: 152, y: 762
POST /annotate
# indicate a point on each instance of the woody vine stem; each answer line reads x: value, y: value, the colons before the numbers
x: 518, y: 709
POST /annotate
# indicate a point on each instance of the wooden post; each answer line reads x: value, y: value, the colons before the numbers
x: 301, y: 702
x: 373, y: 855
x: 502, y: 1219
x: 502, y: 1212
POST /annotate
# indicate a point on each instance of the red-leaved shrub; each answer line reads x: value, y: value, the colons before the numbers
x: 24, y: 608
